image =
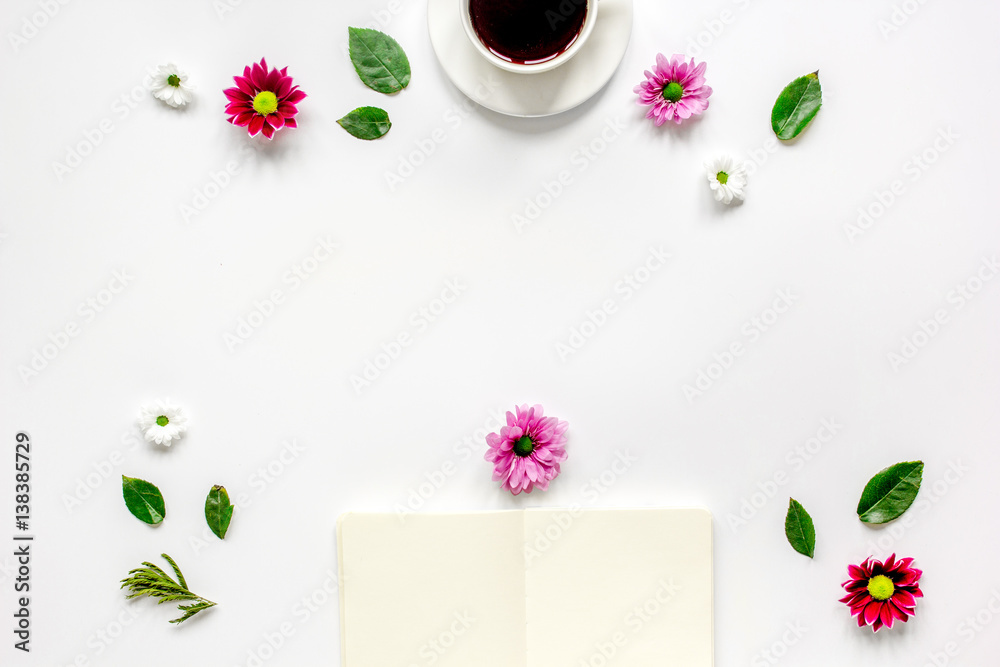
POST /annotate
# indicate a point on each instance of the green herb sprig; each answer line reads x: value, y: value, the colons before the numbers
x: 154, y: 582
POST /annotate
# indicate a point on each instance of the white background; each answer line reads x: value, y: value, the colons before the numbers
x: 887, y: 96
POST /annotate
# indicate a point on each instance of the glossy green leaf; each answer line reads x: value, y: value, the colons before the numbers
x: 218, y: 511
x: 379, y: 60
x: 891, y: 492
x: 143, y: 500
x: 366, y: 123
x: 796, y: 106
x: 799, y: 529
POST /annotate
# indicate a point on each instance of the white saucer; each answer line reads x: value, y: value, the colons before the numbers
x: 540, y: 94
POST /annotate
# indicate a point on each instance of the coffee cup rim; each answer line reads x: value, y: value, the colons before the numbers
x: 528, y: 68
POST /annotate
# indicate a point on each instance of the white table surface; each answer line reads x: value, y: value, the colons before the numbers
x: 286, y: 391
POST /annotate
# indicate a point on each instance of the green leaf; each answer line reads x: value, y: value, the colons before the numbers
x: 796, y: 106
x: 366, y: 123
x: 890, y: 492
x: 379, y: 60
x: 218, y: 511
x: 143, y: 500
x: 155, y: 583
x: 799, y: 529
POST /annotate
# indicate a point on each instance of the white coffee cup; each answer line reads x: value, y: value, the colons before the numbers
x: 542, y: 65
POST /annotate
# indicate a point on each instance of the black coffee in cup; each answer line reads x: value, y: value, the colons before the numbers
x: 528, y: 31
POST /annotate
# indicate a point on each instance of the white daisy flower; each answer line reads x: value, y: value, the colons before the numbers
x: 727, y: 177
x: 162, y: 422
x: 170, y: 84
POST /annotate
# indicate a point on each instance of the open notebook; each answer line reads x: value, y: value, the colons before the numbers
x: 527, y: 588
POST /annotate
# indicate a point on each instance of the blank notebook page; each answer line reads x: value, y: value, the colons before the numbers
x: 534, y: 588
x: 445, y: 588
x: 633, y: 587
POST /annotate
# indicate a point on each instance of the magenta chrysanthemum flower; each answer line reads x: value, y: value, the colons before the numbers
x: 528, y: 450
x: 263, y: 100
x: 675, y: 90
x: 882, y: 593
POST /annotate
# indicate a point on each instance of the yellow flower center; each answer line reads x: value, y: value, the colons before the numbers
x: 265, y: 103
x: 881, y: 587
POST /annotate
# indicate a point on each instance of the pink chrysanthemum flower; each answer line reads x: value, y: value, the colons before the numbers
x: 263, y: 100
x: 675, y: 90
x: 882, y: 593
x: 528, y: 450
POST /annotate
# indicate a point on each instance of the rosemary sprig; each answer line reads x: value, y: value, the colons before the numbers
x: 154, y: 582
